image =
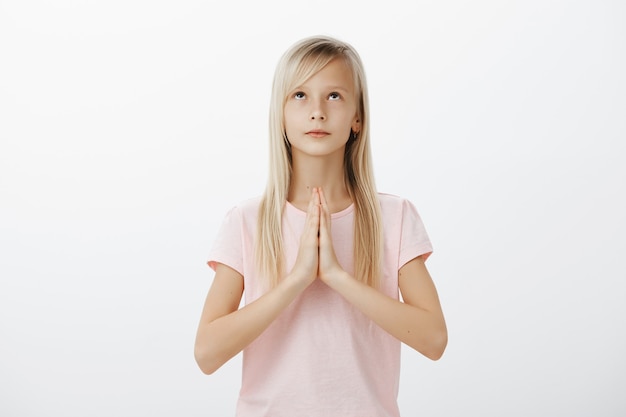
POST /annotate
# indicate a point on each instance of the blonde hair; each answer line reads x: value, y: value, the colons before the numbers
x: 298, y: 64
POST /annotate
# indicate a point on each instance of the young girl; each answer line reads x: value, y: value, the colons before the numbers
x: 322, y: 257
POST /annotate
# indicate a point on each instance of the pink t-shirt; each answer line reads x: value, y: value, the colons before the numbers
x: 321, y: 357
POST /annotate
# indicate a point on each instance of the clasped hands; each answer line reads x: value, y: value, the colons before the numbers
x: 316, y: 255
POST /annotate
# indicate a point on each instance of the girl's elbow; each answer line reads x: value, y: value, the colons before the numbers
x: 438, y: 346
x: 206, y: 369
x: 206, y: 365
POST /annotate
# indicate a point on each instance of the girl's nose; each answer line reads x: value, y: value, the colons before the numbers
x: 317, y: 113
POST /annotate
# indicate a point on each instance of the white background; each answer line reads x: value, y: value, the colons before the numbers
x: 128, y: 128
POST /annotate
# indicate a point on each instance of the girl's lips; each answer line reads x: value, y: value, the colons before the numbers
x: 317, y: 133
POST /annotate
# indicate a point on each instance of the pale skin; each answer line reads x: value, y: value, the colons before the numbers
x: 325, y: 105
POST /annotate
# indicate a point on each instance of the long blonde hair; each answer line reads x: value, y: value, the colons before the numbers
x: 297, y: 65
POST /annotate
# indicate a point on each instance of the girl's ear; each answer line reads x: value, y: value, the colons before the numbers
x: 356, y: 125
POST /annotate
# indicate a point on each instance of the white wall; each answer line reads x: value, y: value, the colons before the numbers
x: 127, y: 128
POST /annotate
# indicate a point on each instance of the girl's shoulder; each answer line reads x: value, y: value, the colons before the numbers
x: 383, y: 197
x: 244, y: 210
x: 393, y: 205
x: 249, y: 205
x: 391, y: 200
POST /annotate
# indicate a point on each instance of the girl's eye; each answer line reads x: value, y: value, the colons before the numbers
x: 299, y: 95
x: 334, y: 96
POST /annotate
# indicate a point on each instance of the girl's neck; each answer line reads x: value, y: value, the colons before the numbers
x: 312, y: 172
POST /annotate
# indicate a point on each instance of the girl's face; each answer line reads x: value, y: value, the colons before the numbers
x: 320, y: 113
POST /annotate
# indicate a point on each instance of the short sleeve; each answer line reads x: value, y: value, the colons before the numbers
x: 414, y: 240
x: 227, y: 248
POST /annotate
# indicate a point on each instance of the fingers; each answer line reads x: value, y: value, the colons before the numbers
x: 313, y: 214
x: 322, y: 198
x: 328, y: 264
x: 318, y: 214
x: 306, y: 267
x: 325, y: 213
x: 316, y: 195
x: 312, y: 201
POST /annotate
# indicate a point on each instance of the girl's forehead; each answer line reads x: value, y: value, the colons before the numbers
x: 336, y: 73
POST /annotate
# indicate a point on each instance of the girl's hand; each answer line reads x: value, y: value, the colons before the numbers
x: 305, y: 269
x: 329, y: 267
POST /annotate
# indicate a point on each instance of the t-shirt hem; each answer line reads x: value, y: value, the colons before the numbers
x: 212, y: 263
x: 408, y: 254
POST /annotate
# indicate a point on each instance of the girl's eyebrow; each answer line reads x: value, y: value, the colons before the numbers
x: 345, y: 90
x: 330, y: 88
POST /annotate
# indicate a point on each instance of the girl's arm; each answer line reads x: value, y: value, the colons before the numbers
x: 418, y: 321
x: 225, y: 330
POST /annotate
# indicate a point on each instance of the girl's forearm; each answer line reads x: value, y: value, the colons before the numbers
x: 221, y: 339
x: 423, y: 330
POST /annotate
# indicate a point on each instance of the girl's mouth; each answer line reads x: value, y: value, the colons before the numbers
x: 317, y: 133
